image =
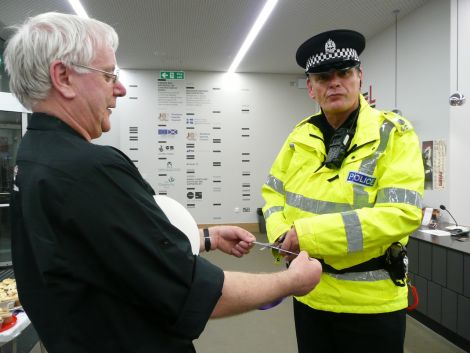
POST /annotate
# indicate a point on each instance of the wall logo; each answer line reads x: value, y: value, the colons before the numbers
x: 167, y: 131
x: 194, y: 195
x: 168, y: 148
x: 361, y: 179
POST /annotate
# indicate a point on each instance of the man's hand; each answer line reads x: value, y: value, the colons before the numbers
x: 305, y: 273
x: 231, y: 240
x: 246, y: 291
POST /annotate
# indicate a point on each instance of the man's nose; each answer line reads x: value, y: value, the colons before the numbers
x: 334, y: 79
x: 119, y: 89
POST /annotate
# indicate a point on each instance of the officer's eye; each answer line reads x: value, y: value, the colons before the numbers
x: 322, y: 77
x: 345, y: 73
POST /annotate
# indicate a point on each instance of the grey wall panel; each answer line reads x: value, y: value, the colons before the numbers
x: 413, y: 255
x: 455, y: 271
x: 463, y: 317
x: 449, y: 309
x: 466, y: 278
x: 439, y: 265
x: 434, y: 301
x: 425, y: 256
x: 411, y: 277
x: 422, y: 287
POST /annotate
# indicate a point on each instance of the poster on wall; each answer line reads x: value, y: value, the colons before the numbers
x: 368, y: 97
x: 193, y: 144
x: 434, y: 159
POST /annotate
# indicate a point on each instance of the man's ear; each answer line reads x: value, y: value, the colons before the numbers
x: 360, y: 77
x: 311, y: 93
x: 60, y: 79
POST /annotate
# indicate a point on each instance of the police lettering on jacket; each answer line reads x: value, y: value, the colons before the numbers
x: 361, y: 179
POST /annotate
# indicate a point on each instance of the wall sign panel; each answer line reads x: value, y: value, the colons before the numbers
x: 209, y: 139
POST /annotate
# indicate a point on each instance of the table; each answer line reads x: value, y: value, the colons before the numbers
x: 22, y: 337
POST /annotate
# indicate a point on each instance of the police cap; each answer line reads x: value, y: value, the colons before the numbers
x: 335, y: 49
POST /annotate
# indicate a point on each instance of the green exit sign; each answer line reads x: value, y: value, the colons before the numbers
x: 172, y: 75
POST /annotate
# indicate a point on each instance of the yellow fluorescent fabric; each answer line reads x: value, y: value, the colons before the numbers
x: 344, y: 222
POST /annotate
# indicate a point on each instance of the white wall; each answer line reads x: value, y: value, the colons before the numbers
x: 423, y: 82
x: 459, y: 117
x: 9, y: 102
x: 275, y: 105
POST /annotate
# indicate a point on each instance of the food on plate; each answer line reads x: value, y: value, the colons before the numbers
x: 8, y: 291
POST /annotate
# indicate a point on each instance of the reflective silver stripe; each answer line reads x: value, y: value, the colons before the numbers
x: 315, y: 206
x: 352, y: 224
x: 361, y: 197
x: 368, y: 165
x: 396, y: 195
x: 354, y: 236
x: 272, y: 210
x: 368, y: 276
x: 275, y: 183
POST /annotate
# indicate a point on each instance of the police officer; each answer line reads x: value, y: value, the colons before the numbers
x: 347, y: 187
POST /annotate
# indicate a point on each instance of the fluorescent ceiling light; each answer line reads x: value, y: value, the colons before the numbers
x: 78, y: 8
x: 260, y: 21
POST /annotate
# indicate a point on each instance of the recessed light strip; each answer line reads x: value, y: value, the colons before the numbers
x: 260, y: 21
x: 78, y: 8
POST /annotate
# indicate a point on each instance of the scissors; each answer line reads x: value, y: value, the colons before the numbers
x: 272, y: 246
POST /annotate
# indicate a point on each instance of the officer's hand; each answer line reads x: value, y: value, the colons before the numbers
x: 290, y: 243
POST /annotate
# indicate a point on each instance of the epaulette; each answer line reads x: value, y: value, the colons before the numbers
x: 402, y: 125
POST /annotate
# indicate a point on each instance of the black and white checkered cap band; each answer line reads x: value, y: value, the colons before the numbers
x: 345, y: 53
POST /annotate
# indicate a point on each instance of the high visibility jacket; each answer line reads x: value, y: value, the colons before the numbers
x: 350, y: 215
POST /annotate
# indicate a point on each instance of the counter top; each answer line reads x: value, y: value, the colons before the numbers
x: 447, y: 241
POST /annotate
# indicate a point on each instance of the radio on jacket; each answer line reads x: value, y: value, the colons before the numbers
x: 396, y: 263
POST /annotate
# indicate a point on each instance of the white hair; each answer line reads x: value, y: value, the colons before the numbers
x: 48, y: 37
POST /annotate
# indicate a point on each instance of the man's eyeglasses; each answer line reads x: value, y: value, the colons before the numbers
x: 113, y: 76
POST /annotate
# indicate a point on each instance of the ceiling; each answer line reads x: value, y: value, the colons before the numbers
x: 205, y: 35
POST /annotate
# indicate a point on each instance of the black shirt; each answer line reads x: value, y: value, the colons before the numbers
x: 99, y: 267
x: 328, y: 130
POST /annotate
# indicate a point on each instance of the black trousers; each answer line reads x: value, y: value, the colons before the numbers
x: 326, y: 332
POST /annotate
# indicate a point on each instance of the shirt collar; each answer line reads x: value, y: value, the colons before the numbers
x: 44, y: 121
